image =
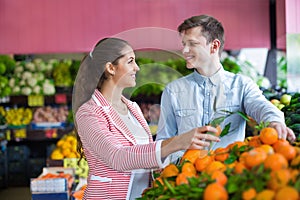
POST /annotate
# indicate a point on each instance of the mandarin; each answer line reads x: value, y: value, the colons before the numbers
x: 254, y: 141
x: 296, y: 161
x: 275, y: 161
x: 266, y: 194
x: 287, y: 193
x: 220, y: 177
x: 221, y: 154
x: 182, y: 178
x: 239, y: 168
x: 288, y: 151
x: 279, y: 143
x: 268, y: 135
x: 202, y: 163
x: 255, y: 157
x: 279, y: 179
x: 215, y: 191
x: 192, y: 154
x: 236, y: 143
x: 267, y: 148
x: 215, y: 166
x: 170, y: 170
x: 188, y: 168
x: 249, y: 194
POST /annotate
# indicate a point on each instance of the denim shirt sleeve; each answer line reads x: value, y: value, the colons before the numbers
x: 167, y: 123
x: 258, y: 107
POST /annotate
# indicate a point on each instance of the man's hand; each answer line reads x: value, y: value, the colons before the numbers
x: 283, y: 131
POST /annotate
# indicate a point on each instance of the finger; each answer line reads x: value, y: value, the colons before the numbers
x: 280, y: 132
x: 210, y: 137
x: 290, y: 135
x: 201, y: 142
x: 205, y: 129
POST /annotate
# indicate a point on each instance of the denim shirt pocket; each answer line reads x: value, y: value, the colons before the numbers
x: 186, y: 119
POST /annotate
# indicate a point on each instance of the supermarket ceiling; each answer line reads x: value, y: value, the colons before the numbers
x: 71, y: 26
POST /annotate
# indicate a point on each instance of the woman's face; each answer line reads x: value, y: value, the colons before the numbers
x: 196, y: 51
x: 126, y: 69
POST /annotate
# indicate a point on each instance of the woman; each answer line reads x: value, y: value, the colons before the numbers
x: 112, y: 131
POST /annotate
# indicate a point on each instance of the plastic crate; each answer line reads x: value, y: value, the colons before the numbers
x: 50, y: 196
x: 53, y: 185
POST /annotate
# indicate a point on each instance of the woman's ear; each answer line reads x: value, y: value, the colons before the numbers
x: 110, y: 68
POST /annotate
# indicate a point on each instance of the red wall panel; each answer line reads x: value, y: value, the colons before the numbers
x: 66, y: 26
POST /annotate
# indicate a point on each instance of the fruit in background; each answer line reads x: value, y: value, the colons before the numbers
x: 280, y: 106
x: 66, y: 147
x: 275, y: 102
x: 285, y: 99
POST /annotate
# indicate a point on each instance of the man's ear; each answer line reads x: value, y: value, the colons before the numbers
x: 110, y: 68
x: 215, y: 45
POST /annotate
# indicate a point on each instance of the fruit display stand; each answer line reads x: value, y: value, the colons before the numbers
x: 53, y: 183
x: 261, y: 167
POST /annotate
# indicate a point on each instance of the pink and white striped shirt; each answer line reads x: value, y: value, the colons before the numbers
x: 111, y: 149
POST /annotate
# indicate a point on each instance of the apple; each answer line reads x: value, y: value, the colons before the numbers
x: 286, y: 99
x: 280, y: 106
x: 275, y: 102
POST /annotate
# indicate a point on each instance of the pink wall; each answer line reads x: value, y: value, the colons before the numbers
x: 293, y: 17
x: 67, y: 26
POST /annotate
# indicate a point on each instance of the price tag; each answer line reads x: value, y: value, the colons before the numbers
x: 51, y: 133
x: 36, y: 100
x: 61, y: 98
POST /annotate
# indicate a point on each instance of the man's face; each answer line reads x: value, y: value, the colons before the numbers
x: 196, y: 51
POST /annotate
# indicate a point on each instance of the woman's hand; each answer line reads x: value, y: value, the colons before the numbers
x: 196, y: 138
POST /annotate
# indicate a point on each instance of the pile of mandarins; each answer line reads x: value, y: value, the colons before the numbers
x: 261, y: 167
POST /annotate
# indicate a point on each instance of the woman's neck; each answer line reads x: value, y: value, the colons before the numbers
x: 112, y: 93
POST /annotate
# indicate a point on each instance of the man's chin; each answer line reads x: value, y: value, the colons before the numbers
x: 189, y: 66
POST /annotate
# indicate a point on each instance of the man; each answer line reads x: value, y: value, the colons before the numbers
x: 191, y: 101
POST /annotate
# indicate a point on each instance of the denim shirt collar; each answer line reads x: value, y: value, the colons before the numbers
x: 214, y: 79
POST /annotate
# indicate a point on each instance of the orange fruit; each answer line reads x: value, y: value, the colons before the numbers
x: 192, y: 154
x: 182, y: 178
x: 218, y: 133
x: 279, y: 143
x: 288, y: 151
x: 202, y: 163
x: 268, y: 135
x: 265, y: 195
x: 221, y: 154
x: 66, y: 152
x: 242, y: 157
x: 287, y: 193
x: 236, y: 143
x: 279, y: 179
x: 255, y: 157
x: 170, y: 170
x: 249, y: 194
x: 294, y: 174
x: 158, y: 179
x: 220, y: 177
x: 239, y: 168
x: 254, y: 141
x: 215, y: 191
x: 267, y: 148
x: 215, y: 166
x: 296, y: 161
x: 275, y: 161
x: 188, y: 168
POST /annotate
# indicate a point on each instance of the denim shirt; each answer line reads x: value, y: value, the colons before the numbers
x: 191, y: 101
